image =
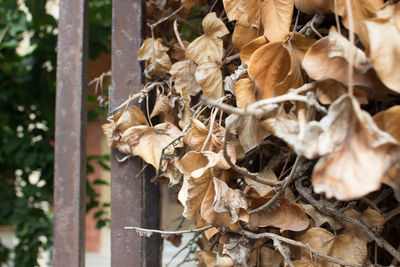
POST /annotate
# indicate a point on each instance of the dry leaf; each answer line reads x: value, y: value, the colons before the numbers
x: 148, y: 142
x: 225, y: 262
x: 197, y: 134
x: 276, y: 17
x: 206, y: 258
x: 265, y: 257
x: 319, y: 65
x: 157, y: 60
x: 384, y: 46
x: 301, y: 44
x: 320, y: 218
x: 349, y: 249
x: 223, y: 206
x: 359, y: 162
x: 162, y: 107
x: 262, y: 189
x: 183, y: 74
x: 388, y: 121
x: 329, y: 90
x: 236, y: 247
x: 319, y: 239
x: 242, y: 35
x: 209, y: 76
x: 287, y: 216
x: 245, y: 92
x: 304, y: 263
x: 312, y: 6
x: 175, y: 240
x: 245, y: 12
x: 361, y: 11
x: 208, y: 47
x: 274, y: 69
x: 247, y: 50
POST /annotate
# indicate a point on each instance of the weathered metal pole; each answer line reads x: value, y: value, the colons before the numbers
x: 130, y: 193
x: 70, y: 148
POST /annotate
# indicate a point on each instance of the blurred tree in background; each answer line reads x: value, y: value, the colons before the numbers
x: 27, y: 104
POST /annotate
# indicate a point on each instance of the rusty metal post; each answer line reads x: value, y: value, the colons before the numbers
x: 128, y: 190
x: 70, y: 149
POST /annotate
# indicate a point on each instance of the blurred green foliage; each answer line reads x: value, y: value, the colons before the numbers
x: 27, y: 114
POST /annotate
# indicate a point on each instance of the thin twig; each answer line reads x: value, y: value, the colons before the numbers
x: 351, y: 52
x: 337, y: 18
x: 152, y: 26
x: 244, y: 171
x: 281, y: 249
x: 292, y: 242
x: 391, y: 214
x: 166, y: 233
x: 332, y: 211
x: 177, y: 35
x: 288, y: 180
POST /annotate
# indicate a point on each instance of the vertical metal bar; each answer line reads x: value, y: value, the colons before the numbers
x: 128, y: 190
x: 70, y: 150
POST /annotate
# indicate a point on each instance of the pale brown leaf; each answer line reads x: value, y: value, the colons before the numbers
x: 276, y: 17
x: 183, y: 74
x: 209, y: 76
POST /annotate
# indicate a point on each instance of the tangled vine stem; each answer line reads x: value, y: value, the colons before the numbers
x: 149, y: 232
x: 332, y: 211
x: 292, y: 242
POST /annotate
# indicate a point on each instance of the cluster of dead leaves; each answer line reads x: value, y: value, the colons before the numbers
x: 356, y: 152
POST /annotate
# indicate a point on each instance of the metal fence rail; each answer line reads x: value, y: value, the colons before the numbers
x: 134, y: 200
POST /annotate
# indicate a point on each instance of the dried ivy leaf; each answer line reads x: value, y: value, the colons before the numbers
x: 209, y: 76
x: 245, y: 12
x: 208, y: 47
x: 243, y: 35
x: 301, y: 44
x: 312, y: 6
x: 276, y: 17
x: 247, y: 50
x: 274, y: 69
x: 148, y: 142
x: 162, y: 107
x: 329, y: 90
x: 197, y: 134
x: 245, y: 92
x: 388, y: 121
x: 320, y: 218
x: 183, y: 74
x: 265, y: 257
x: 349, y: 249
x: 223, y: 206
x: 319, y: 239
x: 304, y: 263
x: 155, y: 56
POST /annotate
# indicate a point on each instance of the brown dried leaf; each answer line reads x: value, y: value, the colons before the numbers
x: 148, y: 142
x: 301, y: 44
x: 209, y: 76
x: 206, y: 258
x: 358, y: 163
x: 274, y: 69
x: 197, y: 135
x: 245, y: 12
x: 320, y: 64
x: 175, y: 240
x: 388, y: 121
x: 287, y: 216
x: 162, y: 107
x: 304, y: 263
x: 276, y: 17
x: 157, y: 60
x: 319, y: 239
x: 329, y: 90
x: 183, y: 74
x: 245, y: 92
x: 265, y: 257
x: 242, y: 35
x: 262, y: 189
x: 223, y: 206
x: 384, y: 45
x: 361, y: 11
x: 320, y: 218
x: 312, y: 6
x: 247, y: 50
x: 208, y: 47
x: 236, y: 247
x: 349, y: 249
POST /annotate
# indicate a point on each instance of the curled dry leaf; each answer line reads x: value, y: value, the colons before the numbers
x: 183, y: 74
x: 247, y: 50
x: 276, y: 17
x: 119, y: 123
x: 312, y: 6
x: 155, y: 56
x: 359, y: 162
x: 361, y: 10
x: 236, y: 247
x: 384, y: 46
x: 223, y: 206
x: 286, y: 216
x: 301, y: 44
x: 148, y: 142
x: 197, y: 134
x: 208, y: 47
x: 262, y: 189
x: 329, y: 90
x: 349, y: 249
x: 388, y: 121
x: 320, y: 63
x: 274, y: 69
x: 162, y: 107
x: 206, y: 258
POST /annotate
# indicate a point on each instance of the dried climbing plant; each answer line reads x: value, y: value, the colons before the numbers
x: 280, y: 125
